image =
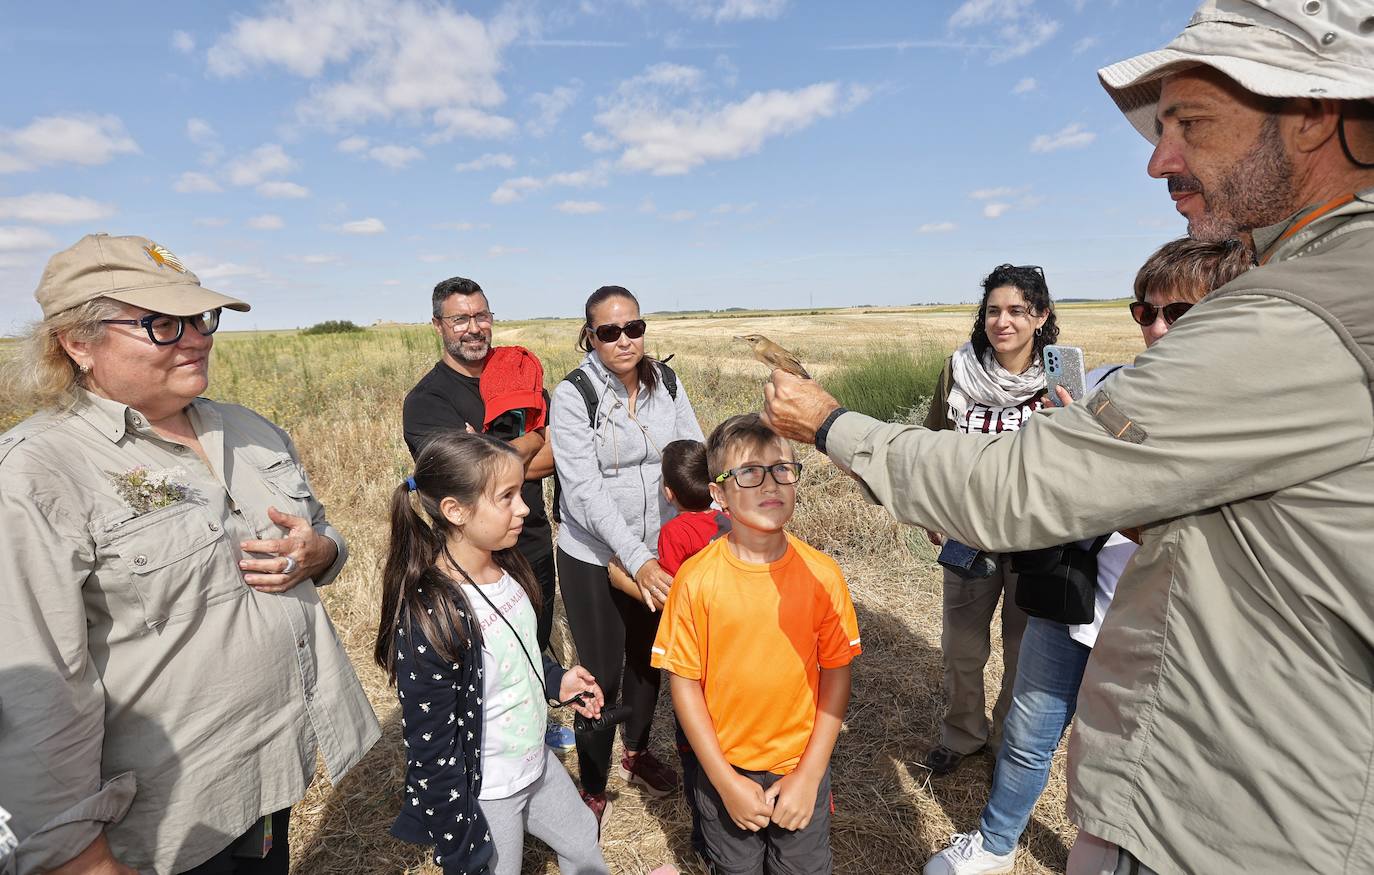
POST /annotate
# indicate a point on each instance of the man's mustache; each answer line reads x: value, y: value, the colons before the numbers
x: 1183, y: 184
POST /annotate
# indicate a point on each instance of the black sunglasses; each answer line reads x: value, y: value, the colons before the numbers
x: 1145, y: 314
x: 165, y: 330
x: 634, y: 329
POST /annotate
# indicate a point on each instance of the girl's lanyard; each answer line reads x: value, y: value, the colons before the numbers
x: 538, y: 675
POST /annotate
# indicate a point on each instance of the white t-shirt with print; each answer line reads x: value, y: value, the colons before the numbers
x: 513, y: 707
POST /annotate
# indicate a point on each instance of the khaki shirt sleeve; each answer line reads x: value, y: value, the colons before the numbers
x: 317, y: 517
x: 1248, y: 395
x: 937, y: 416
x: 52, y: 701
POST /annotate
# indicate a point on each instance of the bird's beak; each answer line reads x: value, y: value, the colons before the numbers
x: 737, y: 337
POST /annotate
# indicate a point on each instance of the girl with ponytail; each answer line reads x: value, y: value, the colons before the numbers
x: 457, y: 637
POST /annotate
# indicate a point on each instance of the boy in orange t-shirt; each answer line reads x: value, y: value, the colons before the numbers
x: 758, y: 633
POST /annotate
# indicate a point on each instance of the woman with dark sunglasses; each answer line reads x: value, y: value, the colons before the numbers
x: 611, y: 507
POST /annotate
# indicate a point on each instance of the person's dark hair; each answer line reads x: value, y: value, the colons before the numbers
x: 1189, y: 269
x: 458, y: 465
x: 684, y: 472
x: 1029, y: 280
x: 454, y: 285
x: 648, y: 374
x: 746, y: 428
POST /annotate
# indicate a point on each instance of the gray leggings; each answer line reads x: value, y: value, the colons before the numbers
x: 551, y: 810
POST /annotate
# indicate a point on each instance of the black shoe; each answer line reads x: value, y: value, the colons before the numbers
x: 941, y: 760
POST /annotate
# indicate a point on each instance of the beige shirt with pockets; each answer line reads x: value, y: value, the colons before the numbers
x: 144, y: 688
x: 1226, y: 719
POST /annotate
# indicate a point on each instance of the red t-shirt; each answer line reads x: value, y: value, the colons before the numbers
x: 686, y: 534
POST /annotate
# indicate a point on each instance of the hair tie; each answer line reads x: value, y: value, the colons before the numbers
x: 410, y: 484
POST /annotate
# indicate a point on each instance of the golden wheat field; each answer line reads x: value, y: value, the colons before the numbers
x: 340, y: 398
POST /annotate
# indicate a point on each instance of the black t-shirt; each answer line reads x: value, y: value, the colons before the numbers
x: 445, y: 400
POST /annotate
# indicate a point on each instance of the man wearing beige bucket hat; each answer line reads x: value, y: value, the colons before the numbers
x: 1224, y: 722
x: 169, y: 673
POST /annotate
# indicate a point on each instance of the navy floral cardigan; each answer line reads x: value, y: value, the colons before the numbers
x: 441, y: 721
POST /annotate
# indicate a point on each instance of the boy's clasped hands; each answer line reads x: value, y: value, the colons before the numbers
x: 789, y: 803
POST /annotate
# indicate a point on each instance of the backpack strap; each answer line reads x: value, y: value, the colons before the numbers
x: 579, y: 378
x: 669, y: 379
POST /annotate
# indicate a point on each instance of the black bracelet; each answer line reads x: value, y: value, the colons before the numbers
x: 824, y: 430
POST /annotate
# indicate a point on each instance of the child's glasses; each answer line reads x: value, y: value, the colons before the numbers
x: 751, y: 476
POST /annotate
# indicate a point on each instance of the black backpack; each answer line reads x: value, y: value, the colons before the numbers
x: 592, y: 399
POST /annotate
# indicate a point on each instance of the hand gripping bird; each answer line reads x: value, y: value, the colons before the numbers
x: 773, y: 355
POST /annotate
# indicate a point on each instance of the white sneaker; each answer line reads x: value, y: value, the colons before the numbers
x: 965, y: 856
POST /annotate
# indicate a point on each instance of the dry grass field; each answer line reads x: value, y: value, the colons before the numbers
x: 340, y: 398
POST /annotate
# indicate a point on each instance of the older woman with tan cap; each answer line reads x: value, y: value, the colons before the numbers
x: 166, y: 680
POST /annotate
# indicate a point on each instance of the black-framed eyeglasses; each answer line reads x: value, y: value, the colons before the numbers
x: 634, y: 329
x: 1145, y: 314
x: 751, y: 476
x: 165, y: 330
x: 486, y: 317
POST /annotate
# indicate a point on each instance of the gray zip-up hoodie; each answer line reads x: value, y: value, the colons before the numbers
x: 611, y: 475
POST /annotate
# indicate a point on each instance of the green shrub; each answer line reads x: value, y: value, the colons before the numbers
x: 888, y: 382
x: 332, y: 326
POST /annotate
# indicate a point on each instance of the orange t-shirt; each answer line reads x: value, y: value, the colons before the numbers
x: 756, y: 638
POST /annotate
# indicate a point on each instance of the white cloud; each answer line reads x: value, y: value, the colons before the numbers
x: 387, y: 59
x: 395, y: 157
x: 391, y: 282
x: 679, y: 215
x: 266, y: 222
x: 515, y: 189
x: 995, y: 210
x: 486, y: 162
x: 733, y: 10
x: 267, y: 160
x: 458, y: 226
x: 370, y: 225
x: 1084, y: 44
x: 738, y: 209
x: 464, y: 121
x: 210, y: 222
x: 663, y: 139
x: 85, y: 139
x: 597, y: 142
x: 47, y: 208
x: 1073, y: 136
x: 200, y: 132
x: 580, y: 208
x: 1001, y: 191
x: 195, y: 183
x: 647, y: 206
x: 551, y: 106
x: 434, y: 258
x: 183, y: 42
x: 282, y: 190
x: 936, y: 228
x: 314, y: 259
x: 498, y: 251
x: 1018, y: 26
x: 352, y: 144
x: 1025, y: 86
x: 224, y: 270
x: 14, y: 238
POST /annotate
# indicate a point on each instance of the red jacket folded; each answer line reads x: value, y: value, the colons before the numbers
x: 513, y: 379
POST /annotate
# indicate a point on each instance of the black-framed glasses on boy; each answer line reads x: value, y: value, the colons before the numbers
x: 165, y: 330
x: 1145, y: 314
x: 751, y: 476
x: 461, y: 320
x: 634, y: 329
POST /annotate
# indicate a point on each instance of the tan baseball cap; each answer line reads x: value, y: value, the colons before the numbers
x: 134, y: 270
x: 1275, y: 48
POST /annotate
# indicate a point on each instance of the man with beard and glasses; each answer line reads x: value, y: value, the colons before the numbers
x: 449, y: 398
x: 1224, y: 721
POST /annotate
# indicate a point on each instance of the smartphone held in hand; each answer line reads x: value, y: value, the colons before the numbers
x: 1064, y: 367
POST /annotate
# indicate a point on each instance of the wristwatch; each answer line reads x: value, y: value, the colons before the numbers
x: 824, y: 430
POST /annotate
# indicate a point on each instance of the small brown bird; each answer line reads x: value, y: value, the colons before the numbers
x: 773, y: 355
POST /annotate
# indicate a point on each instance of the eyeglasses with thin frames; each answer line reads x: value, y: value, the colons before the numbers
x: 165, y: 330
x: 751, y: 476
x: 460, y: 320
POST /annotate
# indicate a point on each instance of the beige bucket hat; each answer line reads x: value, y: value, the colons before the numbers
x: 134, y: 270
x: 1275, y: 48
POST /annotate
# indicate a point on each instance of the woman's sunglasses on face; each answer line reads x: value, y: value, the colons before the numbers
x: 1145, y: 314
x: 165, y: 330
x: 634, y: 329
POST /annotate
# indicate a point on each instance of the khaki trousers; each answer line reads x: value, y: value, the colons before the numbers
x: 966, y: 638
x: 1094, y: 856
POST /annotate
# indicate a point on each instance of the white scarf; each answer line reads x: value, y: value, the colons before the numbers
x: 986, y: 382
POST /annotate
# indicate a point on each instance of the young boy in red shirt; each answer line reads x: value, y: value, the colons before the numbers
x: 687, y: 486
x: 758, y: 633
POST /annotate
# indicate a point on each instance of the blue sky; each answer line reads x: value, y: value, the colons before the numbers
x: 336, y: 159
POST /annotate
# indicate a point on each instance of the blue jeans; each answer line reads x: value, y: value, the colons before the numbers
x: 1042, y: 704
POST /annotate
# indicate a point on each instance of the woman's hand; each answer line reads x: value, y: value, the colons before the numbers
x: 578, y: 680
x: 621, y: 580
x: 303, y: 553
x: 1065, y: 399
x: 655, y: 583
